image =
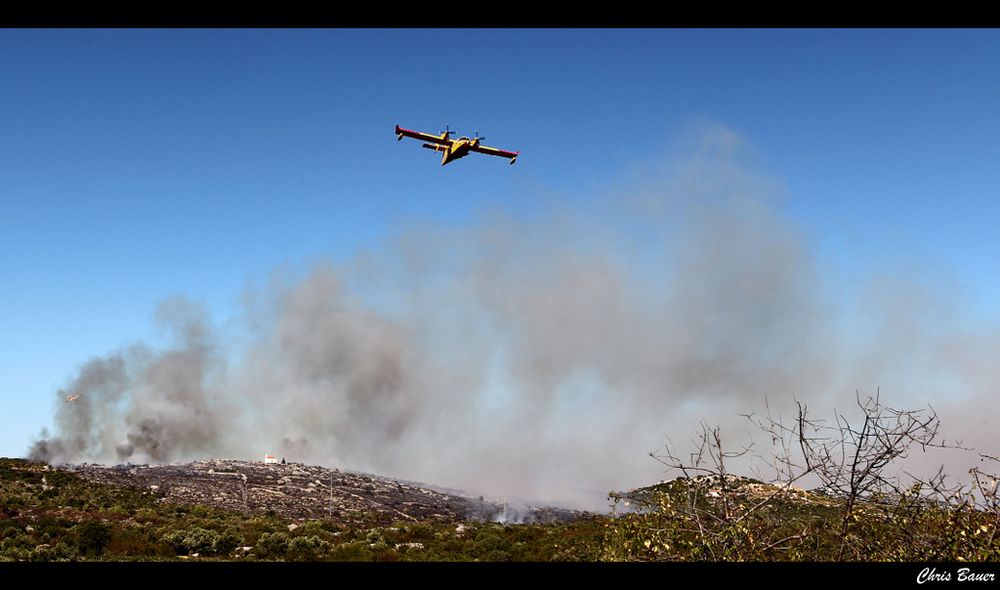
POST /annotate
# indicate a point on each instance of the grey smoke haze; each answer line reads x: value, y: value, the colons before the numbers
x: 544, y: 357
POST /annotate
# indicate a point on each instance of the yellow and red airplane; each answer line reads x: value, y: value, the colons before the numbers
x: 453, y: 149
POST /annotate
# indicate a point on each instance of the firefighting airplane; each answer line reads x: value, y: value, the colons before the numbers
x: 453, y: 149
x: 72, y: 398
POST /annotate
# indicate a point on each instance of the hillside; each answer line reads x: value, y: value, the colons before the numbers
x: 197, y: 511
x: 239, y: 511
x: 300, y: 492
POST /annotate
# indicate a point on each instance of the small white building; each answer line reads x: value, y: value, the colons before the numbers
x: 270, y: 459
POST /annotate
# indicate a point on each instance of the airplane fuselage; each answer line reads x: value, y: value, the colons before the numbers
x: 458, y: 149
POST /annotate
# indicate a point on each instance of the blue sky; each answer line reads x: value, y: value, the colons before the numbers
x: 139, y: 164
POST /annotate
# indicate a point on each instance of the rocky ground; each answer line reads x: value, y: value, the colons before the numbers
x: 304, y: 492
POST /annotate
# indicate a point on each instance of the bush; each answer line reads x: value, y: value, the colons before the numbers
x: 51, y: 525
x: 491, y: 545
x: 201, y: 541
x: 92, y: 537
x: 227, y: 542
x: 59, y: 552
x: 420, y: 532
x: 16, y: 547
x: 308, y: 548
x: 353, y: 551
x: 146, y: 515
x: 131, y: 541
x: 272, y: 545
x: 316, y: 528
x: 197, y: 540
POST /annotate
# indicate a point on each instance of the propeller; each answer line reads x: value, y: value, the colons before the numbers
x: 479, y: 138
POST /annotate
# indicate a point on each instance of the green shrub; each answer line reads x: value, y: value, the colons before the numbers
x: 199, y: 510
x: 227, y: 542
x: 352, y: 551
x: 146, y: 515
x: 490, y: 544
x: 315, y: 528
x: 189, y: 541
x: 58, y: 552
x: 52, y: 526
x: 272, y: 545
x: 16, y: 547
x: 308, y: 548
x: 201, y: 541
x: 92, y: 537
x: 420, y: 532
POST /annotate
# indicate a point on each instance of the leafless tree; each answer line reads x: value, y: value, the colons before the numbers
x: 851, y: 458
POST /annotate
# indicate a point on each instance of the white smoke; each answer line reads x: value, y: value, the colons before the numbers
x: 537, y: 358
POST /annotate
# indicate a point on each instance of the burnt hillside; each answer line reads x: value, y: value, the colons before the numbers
x: 303, y: 492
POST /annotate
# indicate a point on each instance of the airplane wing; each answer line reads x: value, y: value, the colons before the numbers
x: 482, y: 149
x: 422, y: 136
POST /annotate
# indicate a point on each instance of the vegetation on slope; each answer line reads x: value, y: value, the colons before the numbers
x: 51, y: 515
x: 706, y: 514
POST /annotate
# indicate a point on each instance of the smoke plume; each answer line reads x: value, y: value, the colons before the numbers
x: 544, y: 357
